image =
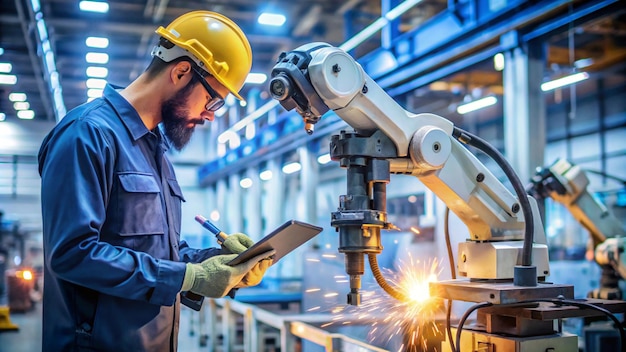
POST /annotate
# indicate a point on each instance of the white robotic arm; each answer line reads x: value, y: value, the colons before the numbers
x: 567, y: 184
x: 316, y: 78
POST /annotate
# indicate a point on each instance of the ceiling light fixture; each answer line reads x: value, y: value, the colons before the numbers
x: 266, y: 175
x: 26, y: 114
x: 97, y: 42
x: 256, y: 78
x: 476, y: 105
x: 97, y: 72
x: 21, y: 105
x: 271, y: 19
x: 564, y: 81
x: 94, y: 6
x: 5, y: 67
x: 17, y: 97
x: 94, y: 93
x: 8, y: 79
x: 97, y: 58
x: 324, y: 159
x: 245, y: 182
x: 96, y: 83
x: 498, y: 62
x: 292, y: 167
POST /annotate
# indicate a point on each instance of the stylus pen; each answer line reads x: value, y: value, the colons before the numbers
x: 219, y: 234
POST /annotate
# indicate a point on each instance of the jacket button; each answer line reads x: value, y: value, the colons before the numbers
x: 86, y: 327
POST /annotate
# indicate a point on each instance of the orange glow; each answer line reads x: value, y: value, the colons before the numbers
x: 409, y: 321
x: 24, y: 274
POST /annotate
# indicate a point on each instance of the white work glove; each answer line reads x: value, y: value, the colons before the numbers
x: 214, y: 278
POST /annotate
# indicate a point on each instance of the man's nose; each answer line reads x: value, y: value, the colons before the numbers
x: 208, y: 115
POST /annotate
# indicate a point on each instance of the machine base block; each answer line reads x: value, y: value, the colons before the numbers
x: 497, y: 292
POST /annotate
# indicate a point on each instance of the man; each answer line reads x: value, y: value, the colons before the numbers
x: 114, y: 262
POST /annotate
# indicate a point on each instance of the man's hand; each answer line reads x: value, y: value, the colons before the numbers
x: 255, y: 275
x: 236, y: 243
x: 214, y: 278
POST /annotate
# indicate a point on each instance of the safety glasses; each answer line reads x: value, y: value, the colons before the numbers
x: 216, y: 100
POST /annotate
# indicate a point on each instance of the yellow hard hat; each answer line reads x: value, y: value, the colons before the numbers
x: 214, y: 42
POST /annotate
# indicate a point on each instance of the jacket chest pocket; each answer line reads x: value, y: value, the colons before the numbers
x: 139, y: 205
x: 176, y: 204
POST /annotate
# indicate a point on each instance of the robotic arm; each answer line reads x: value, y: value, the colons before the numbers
x: 387, y: 139
x: 567, y: 183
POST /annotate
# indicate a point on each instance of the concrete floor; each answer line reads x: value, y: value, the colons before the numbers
x: 28, y: 337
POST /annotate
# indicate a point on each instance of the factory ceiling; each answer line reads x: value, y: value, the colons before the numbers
x: 129, y: 25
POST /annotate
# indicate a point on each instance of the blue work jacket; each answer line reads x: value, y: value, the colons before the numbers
x: 111, y: 207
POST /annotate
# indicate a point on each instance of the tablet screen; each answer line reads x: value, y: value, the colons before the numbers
x: 284, y: 239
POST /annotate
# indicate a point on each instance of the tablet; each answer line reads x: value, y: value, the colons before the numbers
x: 284, y: 239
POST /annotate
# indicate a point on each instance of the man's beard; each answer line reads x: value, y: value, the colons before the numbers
x: 175, y: 118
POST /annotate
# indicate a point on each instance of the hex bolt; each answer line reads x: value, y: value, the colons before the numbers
x: 336, y: 68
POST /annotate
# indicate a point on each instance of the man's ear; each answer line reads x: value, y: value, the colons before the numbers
x: 180, y: 70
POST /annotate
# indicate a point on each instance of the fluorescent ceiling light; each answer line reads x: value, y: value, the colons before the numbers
x: 5, y: 67
x: 8, y: 79
x: 272, y: 19
x: 266, y: 175
x: 3, y: 116
x: 97, y: 58
x: 97, y: 42
x: 564, y: 81
x: 292, y: 167
x: 324, y: 159
x: 94, y: 93
x: 1, y: 51
x: 582, y: 63
x: 256, y: 78
x: 21, y: 105
x: 498, y: 62
x: 26, y: 114
x: 17, y: 97
x: 98, y: 72
x: 245, y: 182
x: 476, y: 104
x: 94, y: 6
x: 42, y: 29
x: 96, y: 83
x: 34, y: 4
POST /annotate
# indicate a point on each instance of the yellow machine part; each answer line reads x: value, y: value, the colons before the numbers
x: 5, y: 320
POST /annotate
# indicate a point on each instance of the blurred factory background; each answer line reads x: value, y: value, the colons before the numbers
x: 254, y: 167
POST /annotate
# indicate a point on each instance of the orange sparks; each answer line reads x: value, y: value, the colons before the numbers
x: 400, y: 326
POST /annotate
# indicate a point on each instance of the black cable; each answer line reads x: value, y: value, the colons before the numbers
x: 579, y: 304
x: 477, y: 142
x: 555, y: 301
x: 464, y: 318
x: 446, y: 231
x: 448, y: 327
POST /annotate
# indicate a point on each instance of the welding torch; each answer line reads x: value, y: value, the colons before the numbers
x: 219, y: 234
